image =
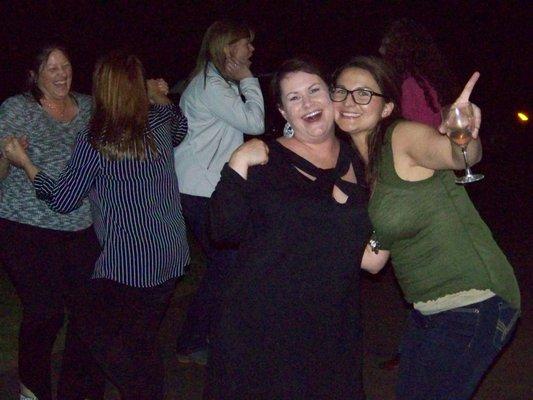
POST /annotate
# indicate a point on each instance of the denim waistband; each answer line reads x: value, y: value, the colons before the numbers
x: 485, y: 305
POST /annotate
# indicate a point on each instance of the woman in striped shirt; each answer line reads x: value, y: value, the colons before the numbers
x: 124, y: 163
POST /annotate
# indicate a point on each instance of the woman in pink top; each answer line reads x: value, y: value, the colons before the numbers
x: 427, y: 81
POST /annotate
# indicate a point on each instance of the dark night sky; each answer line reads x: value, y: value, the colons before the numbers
x: 492, y: 37
x: 489, y: 36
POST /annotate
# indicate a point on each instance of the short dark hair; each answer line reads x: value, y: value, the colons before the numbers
x: 298, y: 64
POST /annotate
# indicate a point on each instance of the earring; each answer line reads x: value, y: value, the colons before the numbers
x: 288, y: 131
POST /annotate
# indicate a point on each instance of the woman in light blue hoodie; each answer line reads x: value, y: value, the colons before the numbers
x: 222, y: 101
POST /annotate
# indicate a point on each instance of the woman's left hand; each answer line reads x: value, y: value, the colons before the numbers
x: 13, y: 150
x: 464, y: 98
x: 237, y: 70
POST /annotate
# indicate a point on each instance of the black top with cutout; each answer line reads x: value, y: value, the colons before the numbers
x: 290, y: 325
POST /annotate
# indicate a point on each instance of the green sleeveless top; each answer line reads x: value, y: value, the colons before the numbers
x: 438, y: 242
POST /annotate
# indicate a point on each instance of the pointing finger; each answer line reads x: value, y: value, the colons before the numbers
x: 469, y: 87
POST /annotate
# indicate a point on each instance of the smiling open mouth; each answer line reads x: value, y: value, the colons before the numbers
x: 312, y: 116
x: 350, y: 114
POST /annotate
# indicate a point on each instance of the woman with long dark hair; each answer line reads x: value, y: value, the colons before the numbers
x: 123, y: 162
x: 463, y: 290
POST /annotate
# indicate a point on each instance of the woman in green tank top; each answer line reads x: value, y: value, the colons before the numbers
x: 464, y: 293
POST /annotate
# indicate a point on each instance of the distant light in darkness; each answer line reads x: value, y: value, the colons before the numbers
x: 522, y: 116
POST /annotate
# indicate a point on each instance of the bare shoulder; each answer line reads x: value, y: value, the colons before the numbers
x: 408, y: 135
x: 411, y: 131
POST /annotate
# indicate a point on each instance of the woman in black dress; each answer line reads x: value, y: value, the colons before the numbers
x: 290, y: 326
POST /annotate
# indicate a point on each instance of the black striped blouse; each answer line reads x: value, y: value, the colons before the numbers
x: 135, y: 204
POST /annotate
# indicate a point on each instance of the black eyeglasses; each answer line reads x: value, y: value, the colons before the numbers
x: 360, y: 96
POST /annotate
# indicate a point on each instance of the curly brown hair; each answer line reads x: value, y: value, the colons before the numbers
x: 410, y: 50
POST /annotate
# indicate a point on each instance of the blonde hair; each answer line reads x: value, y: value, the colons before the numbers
x: 118, y: 126
x: 219, y: 35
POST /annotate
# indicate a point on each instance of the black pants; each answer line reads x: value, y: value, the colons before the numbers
x: 120, y: 325
x: 203, y: 310
x: 47, y: 269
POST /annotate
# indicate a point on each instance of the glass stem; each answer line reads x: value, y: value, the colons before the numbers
x: 467, y: 167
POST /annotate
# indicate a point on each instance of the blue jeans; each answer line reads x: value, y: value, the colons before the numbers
x: 203, y: 311
x: 445, y: 355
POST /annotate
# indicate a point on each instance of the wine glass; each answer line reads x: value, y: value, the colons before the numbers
x: 459, y: 122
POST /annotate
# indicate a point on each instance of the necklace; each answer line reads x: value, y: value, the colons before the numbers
x: 61, y: 110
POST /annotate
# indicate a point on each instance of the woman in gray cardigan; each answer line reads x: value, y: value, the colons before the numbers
x: 46, y: 255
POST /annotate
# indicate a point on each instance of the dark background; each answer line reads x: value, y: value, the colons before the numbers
x: 490, y: 36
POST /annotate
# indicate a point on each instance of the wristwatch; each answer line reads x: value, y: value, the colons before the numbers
x: 374, y: 243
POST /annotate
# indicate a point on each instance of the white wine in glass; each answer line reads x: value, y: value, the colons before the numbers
x: 459, y: 122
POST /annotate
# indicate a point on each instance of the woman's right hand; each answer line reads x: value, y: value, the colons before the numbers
x: 157, y: 90
x: 253, y: 152
x: 237, y: 70
x: 13, y: 149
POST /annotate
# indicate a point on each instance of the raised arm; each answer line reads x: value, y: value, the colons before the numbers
x: 426, y: 148
x: 246, y: 116
x: 158, y: 94
x: 229, y: 206
x: 157, y: 90
x: 253, y: 152
x: 179, y: 125
x: 429, y: 149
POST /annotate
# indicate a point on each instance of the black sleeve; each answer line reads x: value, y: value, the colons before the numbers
x: 229, y: 208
